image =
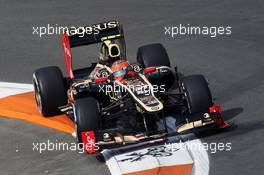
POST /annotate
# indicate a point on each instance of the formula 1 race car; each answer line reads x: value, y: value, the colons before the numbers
x: 113, y: 102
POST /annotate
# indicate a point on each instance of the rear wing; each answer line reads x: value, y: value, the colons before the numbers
x: 94, y: 33
x: 80, y: 36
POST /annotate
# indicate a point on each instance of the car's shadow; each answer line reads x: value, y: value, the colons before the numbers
x: 245, y: 128
x: 231, y: 113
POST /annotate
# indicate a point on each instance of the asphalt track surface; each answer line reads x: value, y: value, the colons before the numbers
x: 233, y: 65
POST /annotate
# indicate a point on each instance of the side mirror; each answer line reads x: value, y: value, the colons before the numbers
x: 150, y: 69
x: 101, y: 79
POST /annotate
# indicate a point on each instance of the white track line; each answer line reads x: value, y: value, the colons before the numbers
x: 129, y: 164
x: 7, y: 89
x: 200, y: 157
x: 192, y: 152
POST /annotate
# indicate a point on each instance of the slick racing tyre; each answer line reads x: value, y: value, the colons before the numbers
x: 86, y: 112
x: 153, y: 55
x: 197, y: 92
x: 156, y: 55
x: 49, y: 90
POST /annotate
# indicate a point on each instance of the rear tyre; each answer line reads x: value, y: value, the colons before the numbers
x: 197, y: 93
x: 86, y: 111
x: 153, y: 55
x: 49, y: 90
x: 156, y: 55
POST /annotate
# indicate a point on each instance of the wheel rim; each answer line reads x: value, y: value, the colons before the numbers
x: 37, y: 97
x: 186, y: 97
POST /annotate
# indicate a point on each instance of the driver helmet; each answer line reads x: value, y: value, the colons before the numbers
x: 120, y: 68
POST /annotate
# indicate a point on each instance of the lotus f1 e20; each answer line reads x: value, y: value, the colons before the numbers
x: 113, y: 102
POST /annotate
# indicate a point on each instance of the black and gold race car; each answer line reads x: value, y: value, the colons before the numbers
x: 114, y: 102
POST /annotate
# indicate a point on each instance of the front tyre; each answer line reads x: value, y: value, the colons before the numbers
x: 86, y: 112
x: 197, y: 92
